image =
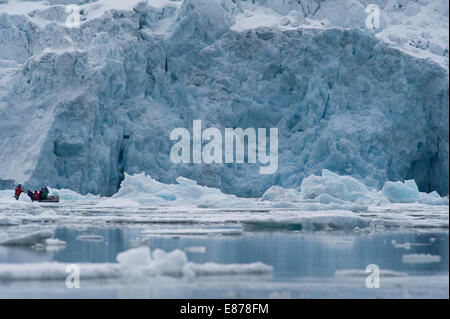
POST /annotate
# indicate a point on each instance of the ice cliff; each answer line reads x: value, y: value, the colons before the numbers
x: 80, y: 107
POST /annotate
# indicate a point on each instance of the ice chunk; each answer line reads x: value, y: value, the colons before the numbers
x: 401, y: 192
x: 67, y: 194
x: 209, y: 269
x: 308, y: 221
x: 363, y: 273
x: 24, y: 198
x: 433, y: 198
x: 145, y: 190
x: 28, y: 239
x: 332, y: 187
x: 136, y: 256
x: 4, y: 221
x: 194, y: 231
x: 406, y: 246
x: 171, y: 263
x: 55, y: 242
x: 195, y: 249
x: 420, y: 258
x: 280, y: 194
x: 57, y: 271
x: 90, y: 237
x: 136, y: 262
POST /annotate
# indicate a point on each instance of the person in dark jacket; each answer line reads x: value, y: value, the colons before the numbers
x: 19, y: 191
x: 46, y: 192
x: 30, y: 194
x: 42, y: 194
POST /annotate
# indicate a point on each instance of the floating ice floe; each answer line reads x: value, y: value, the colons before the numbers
x: 193, y: 231
x: 307, y: 221
x: 195, y: 249
x: 136, y: 262
x: 55, y: 242
x: 420, y: 258
x: 363, y: 273
x: 209, y: 269
x: 4, y: 221
x: 329, y: 191
x: 89, y: 237
x: 29, y: 239
x: 407, y: 245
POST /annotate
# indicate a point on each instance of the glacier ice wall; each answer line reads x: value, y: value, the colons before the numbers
x: 81, y: 107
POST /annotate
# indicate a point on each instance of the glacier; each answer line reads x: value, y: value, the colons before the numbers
x: 82, y: 108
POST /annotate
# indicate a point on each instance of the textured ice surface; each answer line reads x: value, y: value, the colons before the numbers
x: 331, y: 190
x: 81, y: 107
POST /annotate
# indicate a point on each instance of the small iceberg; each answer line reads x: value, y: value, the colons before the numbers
x: 136, y: 262
x: 420, y: 259
x: 89, y: 237
x: 29, y: 239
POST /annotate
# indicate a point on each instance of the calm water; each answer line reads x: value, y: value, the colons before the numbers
x: 292, y: 254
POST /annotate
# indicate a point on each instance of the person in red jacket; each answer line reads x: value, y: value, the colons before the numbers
x: 19, y: 191
x: 36, y: 195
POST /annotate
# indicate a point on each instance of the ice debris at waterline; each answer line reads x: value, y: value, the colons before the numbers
x: 420, y: 258
x: 39, y: 237
x: 325, y: 202
x: 362, y: 273
x: 133, y: 263
x: 331, y: 190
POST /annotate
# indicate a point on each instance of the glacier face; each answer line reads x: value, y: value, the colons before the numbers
x: 81, y: 107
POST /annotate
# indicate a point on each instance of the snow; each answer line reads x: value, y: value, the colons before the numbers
x: 94, y: 103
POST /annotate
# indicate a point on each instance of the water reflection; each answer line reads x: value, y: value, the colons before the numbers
x: 292, y: 254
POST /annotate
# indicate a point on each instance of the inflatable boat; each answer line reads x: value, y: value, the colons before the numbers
x: 50, y: 199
